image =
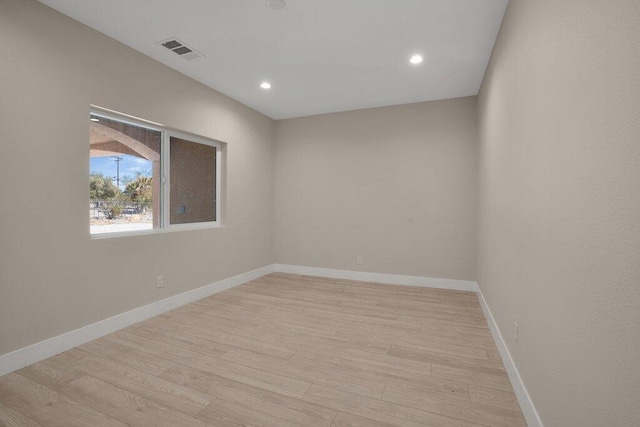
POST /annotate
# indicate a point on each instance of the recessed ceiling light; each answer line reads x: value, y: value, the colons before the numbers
x: 276, y: 4
x: 416, y: 59
x: 93, y: 119
x: 265, y: 85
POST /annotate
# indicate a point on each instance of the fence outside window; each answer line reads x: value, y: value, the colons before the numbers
x: 112, y: 209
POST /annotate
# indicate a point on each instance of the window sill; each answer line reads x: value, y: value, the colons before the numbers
x: 170, y: 229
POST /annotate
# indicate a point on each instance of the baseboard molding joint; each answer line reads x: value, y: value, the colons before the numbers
x: 524, y: 399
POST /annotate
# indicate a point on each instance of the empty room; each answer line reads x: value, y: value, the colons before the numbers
x: 357, y: 213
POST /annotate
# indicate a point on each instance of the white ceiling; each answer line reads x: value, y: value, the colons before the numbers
x: 320, y: 56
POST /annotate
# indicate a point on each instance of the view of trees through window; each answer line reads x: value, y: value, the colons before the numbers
x: 131, y: 171
x: 124, y: 192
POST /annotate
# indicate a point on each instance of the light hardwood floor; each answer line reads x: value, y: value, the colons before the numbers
x: 282, y: 350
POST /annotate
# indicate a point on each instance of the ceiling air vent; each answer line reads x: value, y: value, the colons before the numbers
x: 180, y: 49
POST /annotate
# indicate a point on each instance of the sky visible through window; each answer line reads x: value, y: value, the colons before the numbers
x: 130, y: 167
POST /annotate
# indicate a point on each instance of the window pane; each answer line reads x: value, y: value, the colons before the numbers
x: 192, y: 182
x: 124, y: 182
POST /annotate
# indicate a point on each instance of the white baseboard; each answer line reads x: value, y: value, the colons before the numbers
x: 526, y: 404
x: 528, y: 408
x: 34, y: 353
x: 391, y: 279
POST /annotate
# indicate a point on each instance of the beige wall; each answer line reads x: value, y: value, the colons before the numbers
x: 559, y: 178
x: 560, y: 204
x: 53, y: 277
x: 395, y: 185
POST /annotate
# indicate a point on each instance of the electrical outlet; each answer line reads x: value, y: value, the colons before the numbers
x: 160, y: 282
x: 515, y: 332
x: 359, y: 260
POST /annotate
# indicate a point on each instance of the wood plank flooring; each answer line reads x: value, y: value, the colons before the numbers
x: 282, y: 350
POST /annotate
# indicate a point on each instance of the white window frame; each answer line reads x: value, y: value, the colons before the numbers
x: 165, y: 165
x: 165, y: 170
